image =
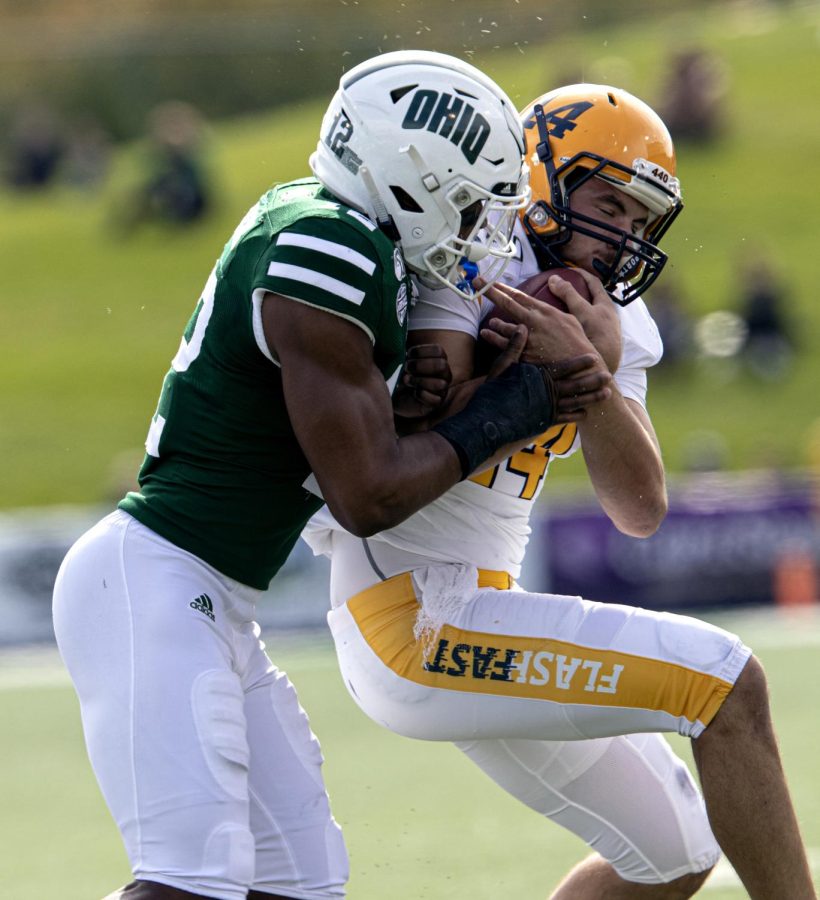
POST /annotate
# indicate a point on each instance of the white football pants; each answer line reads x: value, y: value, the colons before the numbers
x: 203, y: 753
x: 558, y: 699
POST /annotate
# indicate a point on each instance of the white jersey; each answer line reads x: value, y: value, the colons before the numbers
x: 551, y: 696
x: 484, y: 520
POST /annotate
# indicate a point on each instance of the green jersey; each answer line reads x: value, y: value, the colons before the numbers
x: 224, y: 474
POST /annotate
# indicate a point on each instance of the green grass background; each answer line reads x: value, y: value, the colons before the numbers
x: 420, y: 821
x: 91, y: 319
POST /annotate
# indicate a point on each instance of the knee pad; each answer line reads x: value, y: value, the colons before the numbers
x: 651, y: 823
x: 229, y: 857
x: 226, y: 868
x: 217, y: 702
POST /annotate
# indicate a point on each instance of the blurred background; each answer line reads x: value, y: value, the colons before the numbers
x: 133, y: 137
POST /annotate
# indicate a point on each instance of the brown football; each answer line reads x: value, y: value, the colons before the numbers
x: 537, y: 286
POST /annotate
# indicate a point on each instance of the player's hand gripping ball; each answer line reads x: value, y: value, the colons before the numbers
x: 536, y: 286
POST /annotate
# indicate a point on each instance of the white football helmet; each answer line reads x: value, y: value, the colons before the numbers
x: 429, y: 147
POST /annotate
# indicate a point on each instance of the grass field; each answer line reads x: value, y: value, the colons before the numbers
x: 420, y: 822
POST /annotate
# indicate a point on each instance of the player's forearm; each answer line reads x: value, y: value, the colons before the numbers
x: 625, y: 467
x: 381, y: 480
x: 457, y: 399
x: 367, y: 498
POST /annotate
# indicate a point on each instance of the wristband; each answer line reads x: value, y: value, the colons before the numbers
x: 520, y: 403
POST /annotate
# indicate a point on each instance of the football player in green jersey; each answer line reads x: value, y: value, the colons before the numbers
x: 279, y: 399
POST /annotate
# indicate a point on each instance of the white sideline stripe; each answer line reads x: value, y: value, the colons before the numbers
x: 725, y: 876
x: 33, y: 679
x: 331, y: 248
x: 40, y: 666
x: 772, y: 628
x: 32, y: 667
x: 317, y: 279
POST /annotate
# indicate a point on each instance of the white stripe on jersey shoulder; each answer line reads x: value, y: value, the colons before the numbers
x: 319, y: 280
x: 369, y: 224
x: 259, y: 332
x: 331, y: 248
x: 154, y: 435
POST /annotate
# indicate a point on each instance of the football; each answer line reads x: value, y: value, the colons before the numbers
x: 537, y: 286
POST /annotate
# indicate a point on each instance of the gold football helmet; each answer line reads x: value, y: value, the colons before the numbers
x: 587, y: 131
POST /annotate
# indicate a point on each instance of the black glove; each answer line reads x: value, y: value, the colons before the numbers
x: 521, y: 403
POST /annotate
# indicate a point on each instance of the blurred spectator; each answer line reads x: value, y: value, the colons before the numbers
x: 693, y: 96
x: 769, y: 346
x: 674, y: 322
x: 176, y: 188
x: 87, y: 154
x: 36, y: 144
x: 812, y: 451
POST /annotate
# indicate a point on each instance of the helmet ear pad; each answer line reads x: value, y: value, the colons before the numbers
x: 412, y: 139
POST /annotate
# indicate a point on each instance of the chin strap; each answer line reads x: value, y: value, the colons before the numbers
x: 603, y: 270
x: 543, y: 148
x: 383, y: 218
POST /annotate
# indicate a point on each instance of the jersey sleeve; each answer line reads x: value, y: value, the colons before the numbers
x: 444, y: 310
x: 328, y: 263
x: 642, y: 349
